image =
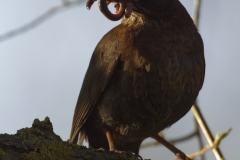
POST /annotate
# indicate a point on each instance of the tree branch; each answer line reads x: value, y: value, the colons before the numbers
x: 40, y: 143
x: 51, y: 12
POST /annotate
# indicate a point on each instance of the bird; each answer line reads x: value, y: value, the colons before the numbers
x: 144, y: 75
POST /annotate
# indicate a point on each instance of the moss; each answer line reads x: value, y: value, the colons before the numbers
x: 53, y: 150
x: 43, y: 144
x: 2, y: 154
x: 40, y: 143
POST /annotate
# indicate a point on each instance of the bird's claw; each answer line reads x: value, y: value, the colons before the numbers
x: 122, y: 8
x: 127, y: 153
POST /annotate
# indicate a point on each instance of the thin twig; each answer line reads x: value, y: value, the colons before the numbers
x: 196, y: 11
x: 39, y: 20
x: 195, y: 109
x: 206, y: 131
x: 150, y: 144
x: 199, y: 137
x: 215, y: 144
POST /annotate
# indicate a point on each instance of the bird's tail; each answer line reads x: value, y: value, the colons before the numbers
x: 82, y: 136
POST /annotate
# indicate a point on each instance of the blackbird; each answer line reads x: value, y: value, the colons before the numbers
x: 144, y: 75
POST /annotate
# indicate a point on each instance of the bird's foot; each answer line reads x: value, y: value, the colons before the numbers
x: 127, y: 154
x: 113, y: 148
x: 181, y: 156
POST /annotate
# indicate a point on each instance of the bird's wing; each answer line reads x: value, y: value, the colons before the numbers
x: 103, y: 63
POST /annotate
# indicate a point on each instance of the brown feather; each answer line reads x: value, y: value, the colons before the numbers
x: 144, y: 75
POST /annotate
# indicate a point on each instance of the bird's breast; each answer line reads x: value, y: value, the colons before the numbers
x: 157, y: 81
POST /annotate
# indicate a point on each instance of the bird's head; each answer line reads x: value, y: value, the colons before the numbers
x: 153, y: 6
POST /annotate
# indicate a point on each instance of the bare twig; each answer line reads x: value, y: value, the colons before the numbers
x: 195, y: 109
x: 195, y: 132
x: 206, y: 131
x: 215, y: 144
x: 196, y: 11
x: 174, y: 141
x: 199, y: 137
x: 40, y: 19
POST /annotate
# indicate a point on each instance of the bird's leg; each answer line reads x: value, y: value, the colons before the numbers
x: 110, y: 141
x: 178, y: 153
x: 114, y: 149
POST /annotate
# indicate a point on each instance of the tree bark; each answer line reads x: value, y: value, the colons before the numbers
x: 40, y: 143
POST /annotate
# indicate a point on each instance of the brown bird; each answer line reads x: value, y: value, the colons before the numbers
x: 144, y: 75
